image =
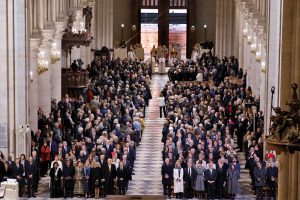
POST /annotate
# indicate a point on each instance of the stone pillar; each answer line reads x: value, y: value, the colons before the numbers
x: 33, y: 84
x: 104, y: 22
x: 56, y: 67
x: 218, y: 24
x: 93, y: 5
x: 44, y: 79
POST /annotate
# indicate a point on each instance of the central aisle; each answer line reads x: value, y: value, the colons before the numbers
x: 147, y: 178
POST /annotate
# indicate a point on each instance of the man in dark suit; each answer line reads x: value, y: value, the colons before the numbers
x: 68, y: 175
x: 18, y: 171
x: 131, y: 152
x: 65, y: 149
x: 167, y: 176
x: 30, y: 171
x: 128, y: 167
x: 221, y: 178
x: 272, y: 176
x: 260, y: 178
x: 122, y: 175
x: 210, y: 176
x: 189, y: 179
x: 53, y: 148
x: 110, y: 175
x: 37, y: 162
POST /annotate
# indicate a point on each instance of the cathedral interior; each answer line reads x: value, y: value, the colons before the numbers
x: 150, y: 99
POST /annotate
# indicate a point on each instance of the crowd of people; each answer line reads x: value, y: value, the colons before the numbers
x: 206, y: 69
x: 207, y: 105
x: 87, y: 145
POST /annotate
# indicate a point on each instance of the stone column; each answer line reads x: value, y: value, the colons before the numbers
x: 104, y: 23
x: 56, y: 67
x: 44, y: 79
x: 218, y: 24
x: 93, y: 5
x: 33, y: 83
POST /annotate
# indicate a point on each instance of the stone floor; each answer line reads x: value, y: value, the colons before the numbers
x: 147, y: 178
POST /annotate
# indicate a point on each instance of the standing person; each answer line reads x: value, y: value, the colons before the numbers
x: 272, y: 176
x: 122, y: 178
x: 36, y: 161
x: 68, y: 174
x: 189, y: 178
x: 199, y: 184
x: 78, y: 187
x: 86, y: 178
x: 55, y: 185
x: 110, y: 176
x: 178, y: 180
x: 30, y: 171
x: 221, y: 179
x: 96, y: 177
x: 162, y: 105
x: 210, y: 176
x: 167, y: 177
x: 18, y: 170
x: 259, y: 176
x: 233, y: 176
x: 45, y: 157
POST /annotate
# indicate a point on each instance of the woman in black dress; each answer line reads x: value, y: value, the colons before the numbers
x: 97, y: 176
x: 55, y: 186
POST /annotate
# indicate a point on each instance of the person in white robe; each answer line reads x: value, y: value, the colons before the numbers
x: 131, y: 54
x: 178, y: 180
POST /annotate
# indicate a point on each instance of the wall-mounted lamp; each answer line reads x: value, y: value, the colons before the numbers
x: 245, y: 30
x: 31, y: 76
x: 263, y: 66
x: 42, y: 63
x: 258, y: 53
x: 253, y: 45
x: 193, y: 28
x: 55, y: 54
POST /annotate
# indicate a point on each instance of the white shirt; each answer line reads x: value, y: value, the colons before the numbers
x: 161, y: 101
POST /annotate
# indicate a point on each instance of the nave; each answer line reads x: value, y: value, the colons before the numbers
x: 147, y: 178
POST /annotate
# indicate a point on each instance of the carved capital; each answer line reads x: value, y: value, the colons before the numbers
x: 60, y: 27
x: 47, y: 37
x: 34, y: 46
